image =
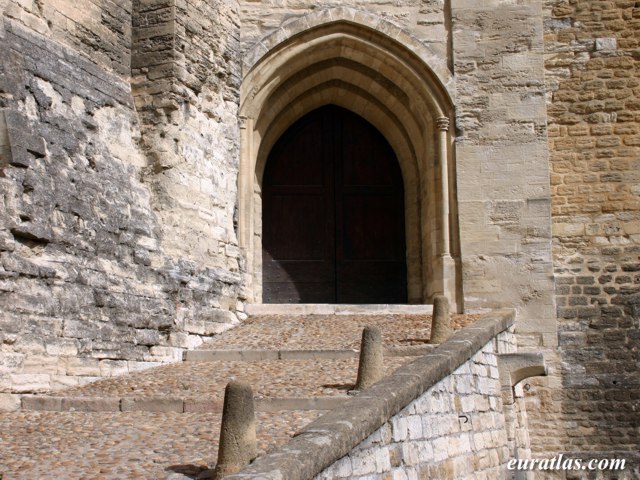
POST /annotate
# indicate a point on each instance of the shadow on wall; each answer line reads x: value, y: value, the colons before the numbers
x: 601, y: 395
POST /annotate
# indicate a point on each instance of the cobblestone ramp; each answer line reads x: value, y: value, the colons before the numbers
x: 164, y: 423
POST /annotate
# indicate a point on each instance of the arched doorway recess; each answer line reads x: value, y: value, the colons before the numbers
x: 342, y: 57
x: 333, y: 214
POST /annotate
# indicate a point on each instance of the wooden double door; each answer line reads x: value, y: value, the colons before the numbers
x: 333, y: 214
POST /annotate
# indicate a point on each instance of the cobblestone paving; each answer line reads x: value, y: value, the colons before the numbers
x: 271, y: 378
x: 140, y: 445
x: 145, y: 445
x: 328, y: 331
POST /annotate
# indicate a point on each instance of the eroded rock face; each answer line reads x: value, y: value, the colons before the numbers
x: 109, y: 263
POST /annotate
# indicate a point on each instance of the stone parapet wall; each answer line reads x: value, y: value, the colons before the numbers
x: 442, y: 416
x: 454, y: 430
x: 592, y: 65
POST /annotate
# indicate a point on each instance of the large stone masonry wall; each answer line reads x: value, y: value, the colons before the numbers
x: 592, y: 51
x: 92, y: 282
x: 185, y: 81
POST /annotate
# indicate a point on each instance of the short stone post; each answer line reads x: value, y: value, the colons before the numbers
x: 238, y: 446
x: 370, y: 368
x: 441, y: 328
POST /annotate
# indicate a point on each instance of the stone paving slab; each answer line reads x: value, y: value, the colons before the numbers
x: 113, y: 446
x: 255, y: 309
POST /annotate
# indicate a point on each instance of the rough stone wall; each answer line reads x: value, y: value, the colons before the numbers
x: 100, y: 29
x: 185, y: 83
x: 93, y: 281
x: 592, y: 51
x: 456, y: 429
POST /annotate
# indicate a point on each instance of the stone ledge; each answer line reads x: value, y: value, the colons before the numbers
x: 260, y: 355
x: 335, y: 309
x: 336, y: 433
x: 41, y: 403
x: 152, y: 404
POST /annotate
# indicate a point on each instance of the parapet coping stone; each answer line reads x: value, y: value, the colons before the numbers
x: 336, y: 433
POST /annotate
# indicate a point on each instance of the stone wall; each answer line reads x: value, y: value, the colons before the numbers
x: 96, y: 279
x: 441, y: 416
x: 100, y: 29
x: 428, y: 20
x: 456, y: 429
x: 592, y: 74
x: 501, y: 233
x: 185, y: 78
x: 502, y: 162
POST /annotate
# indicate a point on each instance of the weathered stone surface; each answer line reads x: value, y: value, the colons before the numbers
x: 81, y: 236
x: 441, y: 327
x: 238, y: 446
x: 370, y: 366
x: 53, y: 404
x: 90, y: 404
x: 592, y: 70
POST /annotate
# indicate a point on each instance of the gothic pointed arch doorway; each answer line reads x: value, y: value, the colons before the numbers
x: 333, y: 214
x: 398, y: 85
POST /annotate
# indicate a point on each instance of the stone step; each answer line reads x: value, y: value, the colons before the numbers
x: 166, y: 404
x: 248, y: 355
x: 253, y: 309
x: 207, y: 379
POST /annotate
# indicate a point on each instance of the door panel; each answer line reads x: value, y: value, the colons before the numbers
x: 333, y: 214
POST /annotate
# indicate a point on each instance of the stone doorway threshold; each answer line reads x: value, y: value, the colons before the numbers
x: 335, y: 309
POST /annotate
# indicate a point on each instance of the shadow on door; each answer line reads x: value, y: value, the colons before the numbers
x: 333, y: 214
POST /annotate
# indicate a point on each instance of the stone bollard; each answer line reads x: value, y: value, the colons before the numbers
x: 370, y: 368
x: 238, y: 446
x: 441, y: 323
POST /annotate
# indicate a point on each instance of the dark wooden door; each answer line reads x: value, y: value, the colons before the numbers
x: 333, y: 214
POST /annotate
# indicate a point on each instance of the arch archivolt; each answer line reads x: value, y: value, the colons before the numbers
x: 337, y: 57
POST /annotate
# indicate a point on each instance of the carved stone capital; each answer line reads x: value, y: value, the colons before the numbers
x: 443, y: 124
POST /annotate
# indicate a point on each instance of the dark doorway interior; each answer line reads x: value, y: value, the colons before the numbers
x: 333, y: 214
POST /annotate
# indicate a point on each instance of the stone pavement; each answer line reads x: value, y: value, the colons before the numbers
x: 164, y: 423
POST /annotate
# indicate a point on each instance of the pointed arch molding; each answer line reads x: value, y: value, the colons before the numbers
x: 374, y: 68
